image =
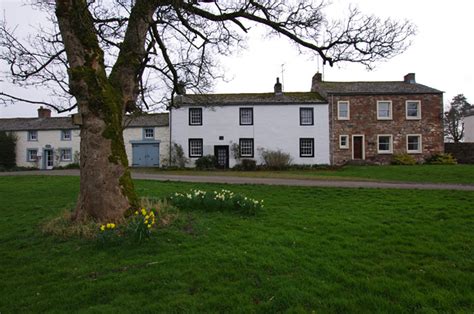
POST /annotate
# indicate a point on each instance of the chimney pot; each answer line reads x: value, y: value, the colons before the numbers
x: 44, y: 112
x: 409, y: 78
x: 317, y: 78
x: 278, y: 87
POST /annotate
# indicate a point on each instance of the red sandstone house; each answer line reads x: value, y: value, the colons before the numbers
x: 372, y: 121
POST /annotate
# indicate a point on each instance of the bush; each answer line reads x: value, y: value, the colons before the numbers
x: 247, y: 165
x: 7, y: 150
x: 403, y: 159
x: 206, y: 162
x: 177, y: 158
x: 441, y: 159
x: 276, y: 159
x: 216, y: 201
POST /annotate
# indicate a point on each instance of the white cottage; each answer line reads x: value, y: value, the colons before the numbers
x: 469, y: 126
x: 296, y: 123
x: 47, y: 142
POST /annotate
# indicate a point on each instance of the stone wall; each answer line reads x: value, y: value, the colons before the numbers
x: 463, y: 152
x: 363, y: 121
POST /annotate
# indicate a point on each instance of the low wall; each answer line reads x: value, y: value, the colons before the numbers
x: 463, y: 152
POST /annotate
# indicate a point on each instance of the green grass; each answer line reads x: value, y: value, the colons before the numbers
x: 327, y: 250
x: 458, y: 174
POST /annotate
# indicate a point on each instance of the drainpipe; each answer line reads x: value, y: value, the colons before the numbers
x: 169, y: 146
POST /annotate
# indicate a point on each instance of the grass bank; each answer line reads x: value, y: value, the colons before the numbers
x: 458, y: 174
x: 327, y: 250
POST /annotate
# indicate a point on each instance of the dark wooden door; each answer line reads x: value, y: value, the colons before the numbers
x: 358, y: 147
x: 222, y: 156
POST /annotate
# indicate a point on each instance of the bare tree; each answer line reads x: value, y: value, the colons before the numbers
x: 453, y: 124
x: 112, y: 57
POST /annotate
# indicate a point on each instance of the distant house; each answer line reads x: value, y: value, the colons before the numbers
x: 295, y: 123
x: 372, y: 121
x: 469, y: 126
x: 46, y: 142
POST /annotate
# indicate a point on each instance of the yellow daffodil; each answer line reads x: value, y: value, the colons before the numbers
x: 108, y: 226
x: 112, y: 225
x: 152, y: 214
x: 147, y: 217
x: 136, y: 212
x: 149, y: 226
x: 102, y: 228
x: 143, y: 211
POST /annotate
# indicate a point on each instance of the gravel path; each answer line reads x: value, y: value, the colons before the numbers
x: 268, y: 181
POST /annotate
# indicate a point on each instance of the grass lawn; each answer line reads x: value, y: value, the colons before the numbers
x: 321, y: 249
x: 461, y: 174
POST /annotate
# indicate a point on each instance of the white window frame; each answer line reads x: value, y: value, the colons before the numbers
x: 191, y: 117
x: 311, y: 116
x: 63, y: 133
x: 420, y: 142
x: 343, y: 102
x: 242, y: 111
x: 33, y: 138
x: 152, y: 133
x: 28, y: 151
x: 418, y: 116
x: 347, y: 141
x: 61, y: 156
x: 307, y: 155
x: 390, y: 117
x: 190, y: 151
x: 390, y: 150
x: 242, y: 147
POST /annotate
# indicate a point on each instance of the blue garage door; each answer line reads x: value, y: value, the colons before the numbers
x: 146, y: 155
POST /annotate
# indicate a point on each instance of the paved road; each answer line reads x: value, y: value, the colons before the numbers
x: 268, y: 181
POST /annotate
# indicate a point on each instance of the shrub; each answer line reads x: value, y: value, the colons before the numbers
x: 177, y: 158
x: 441, y: 159
x: 275, y: 159
x: 403, y: 159
x: 206, y: 162
x: 7, y: 150
x: 247, y: 165
x: 215, y: 201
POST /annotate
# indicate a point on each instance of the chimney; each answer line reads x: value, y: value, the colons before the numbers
x: 181, y: 88
x: 278, y: 87
x: 409, y: 78
x: 44, y: 112
x: 317, y: 78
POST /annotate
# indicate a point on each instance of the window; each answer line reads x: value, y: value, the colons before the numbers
x: 32, y: 155
x: 32, y: 136
x: 195, y: 116
x: 384, y: 144
x: 306, y: 147
x: 306, y: 116
x: 413, y: 110
x: 343, y: 110
x: 246, y: 147
x: 148, y: 133
x: 195, y: 147
x: 344, y: 141
x: 384, y: 110
x: 246, y: 116
x: 65, y: 154
x: 65, y: 135
x: 414, y: 143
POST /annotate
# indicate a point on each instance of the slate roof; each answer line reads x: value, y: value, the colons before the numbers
x: 62, y: 123
x: 373, y: 88
x: 251, y: 98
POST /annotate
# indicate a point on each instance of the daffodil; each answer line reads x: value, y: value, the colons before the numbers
x: 136, y: 212
x: 102, y: 228
x: 112, y: 225
x: 149, y: 226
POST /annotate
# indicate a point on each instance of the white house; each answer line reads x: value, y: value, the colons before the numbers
x: 294, y: 123
x: 469, y: 126
x: 47, y: 142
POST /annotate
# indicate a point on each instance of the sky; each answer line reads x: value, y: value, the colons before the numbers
x: 441, y: 54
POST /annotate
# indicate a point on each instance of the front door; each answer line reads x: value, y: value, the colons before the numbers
x: 358, y: 147
x: 222, y: 156
x: 48, y: 156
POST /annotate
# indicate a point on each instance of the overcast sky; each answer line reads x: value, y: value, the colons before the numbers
x: 441, y: 54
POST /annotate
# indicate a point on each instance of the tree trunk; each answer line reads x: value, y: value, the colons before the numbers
x: 106, y: 188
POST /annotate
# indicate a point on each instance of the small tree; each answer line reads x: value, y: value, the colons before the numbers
x: 453, y: 124
x: 7, y: 150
